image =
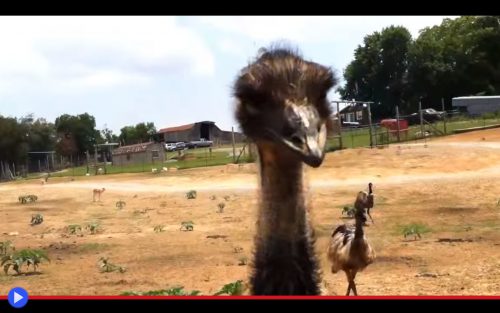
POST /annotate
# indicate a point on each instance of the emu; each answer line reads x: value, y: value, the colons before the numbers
x: 282, y: 107
x: 349, y: 249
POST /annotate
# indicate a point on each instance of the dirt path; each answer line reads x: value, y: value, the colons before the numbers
x: 246, y: 184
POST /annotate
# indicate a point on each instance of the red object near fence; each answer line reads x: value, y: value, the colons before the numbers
x: 392, y: 126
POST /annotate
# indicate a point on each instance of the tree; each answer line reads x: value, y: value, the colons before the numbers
x: 457, y: 58
x: 107, y: 135
x: 77, y: 134
x: 13, y: 144
x: 379, y: 71
x: 41, y: 134
x: 141, y: 132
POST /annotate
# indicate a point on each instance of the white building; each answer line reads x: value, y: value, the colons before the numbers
x: 477, y: 105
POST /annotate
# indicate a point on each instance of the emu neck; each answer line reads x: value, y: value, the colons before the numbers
x: 358, y: 232
x: 282, y: 212
x: 284, y: 262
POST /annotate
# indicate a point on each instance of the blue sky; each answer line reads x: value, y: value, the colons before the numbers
x: 168, y: 70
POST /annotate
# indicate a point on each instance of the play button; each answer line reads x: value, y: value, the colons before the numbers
x: 18, y: 297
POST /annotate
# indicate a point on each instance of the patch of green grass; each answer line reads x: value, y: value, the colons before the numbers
x: 159, y: 228
x: 30, y: 257
x: 93, y: 246
x: 494, y: 224
x: 201, y: 160
x: 413, y: 229
x: 454, y: 228
x: 232, y: 289
x: 106, y: 267
x: 191, y: 194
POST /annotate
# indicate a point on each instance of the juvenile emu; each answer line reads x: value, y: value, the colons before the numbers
x: 349, y: 250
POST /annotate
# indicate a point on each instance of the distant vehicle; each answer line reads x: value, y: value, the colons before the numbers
x: 429, y: 115
x: 170, y: 147
x: 199, y: 144
x: 175, y: 146
x: 180, y: 146
x: 350, y: 124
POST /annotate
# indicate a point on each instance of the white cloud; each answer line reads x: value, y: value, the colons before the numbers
x: 306, y: 29
x: 88, y: 52
x: 229, y: 46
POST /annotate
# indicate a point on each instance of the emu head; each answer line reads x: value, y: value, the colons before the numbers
x: 282, y: 100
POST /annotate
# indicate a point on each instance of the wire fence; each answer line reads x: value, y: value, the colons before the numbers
x: 382, y: 134
x: 412, y: 128
x: 50, y: 164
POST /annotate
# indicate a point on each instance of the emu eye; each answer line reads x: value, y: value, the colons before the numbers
x: 296, y: 140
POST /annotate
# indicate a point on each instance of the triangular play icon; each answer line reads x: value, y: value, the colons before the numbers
x: 17, y: 297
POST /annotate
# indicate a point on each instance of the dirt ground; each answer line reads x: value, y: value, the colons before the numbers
x: 452, y: 185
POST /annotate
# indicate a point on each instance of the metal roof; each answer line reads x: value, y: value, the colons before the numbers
x: 140, y: 147
x: 476, y: 97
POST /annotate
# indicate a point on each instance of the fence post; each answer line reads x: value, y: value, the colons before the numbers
x: 87, y: 154
x: 352, y: 138
x: 234, y: 148
x: 421, y: 118
x: 397, y: 122
x: 370, y: 124
x: 72, y: 165
x: 442, y: 107
x: 340, y: 125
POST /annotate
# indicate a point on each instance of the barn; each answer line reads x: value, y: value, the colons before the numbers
x: 477, y: 105
x: 142, y: 153
x: 357, y: 112
x: 196, y: 131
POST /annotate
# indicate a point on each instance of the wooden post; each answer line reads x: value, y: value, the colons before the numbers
x: 421, y: 118
x: 14, y: 168
x: 444, y: 120
x: 397, y: 122
x: 95, y: 159
x: 250, y: 150
x: 39, y: 166
x: 234, y: 148
x: 370, y: 124
x: 88, y: 157
x: 105, y: 159
x: 340, y: 125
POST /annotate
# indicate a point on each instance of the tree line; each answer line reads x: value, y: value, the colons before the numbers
x: 69, y: 135
x: 459, y: 57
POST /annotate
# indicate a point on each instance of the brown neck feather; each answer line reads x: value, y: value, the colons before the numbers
x: 359, y: 232
x: 284, y: 260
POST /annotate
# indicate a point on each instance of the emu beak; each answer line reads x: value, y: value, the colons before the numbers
x: 309, y: 137
x: 313, y: 148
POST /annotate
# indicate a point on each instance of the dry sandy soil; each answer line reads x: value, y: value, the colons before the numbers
x: 452, y: 185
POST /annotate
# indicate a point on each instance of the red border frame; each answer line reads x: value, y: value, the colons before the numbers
x: 260, y: 298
